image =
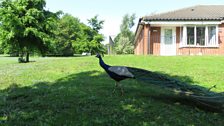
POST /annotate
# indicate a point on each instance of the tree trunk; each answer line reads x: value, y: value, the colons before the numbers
x: 27, y: 56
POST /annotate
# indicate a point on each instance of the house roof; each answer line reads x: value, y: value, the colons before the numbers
x: 195, y: 13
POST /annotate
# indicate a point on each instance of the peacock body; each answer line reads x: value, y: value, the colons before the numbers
x: 117, y: 73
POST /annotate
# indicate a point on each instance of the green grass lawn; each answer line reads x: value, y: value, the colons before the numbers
x: 77, y: 91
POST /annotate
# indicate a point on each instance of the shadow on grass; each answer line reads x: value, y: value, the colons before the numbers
x: 86, y: 99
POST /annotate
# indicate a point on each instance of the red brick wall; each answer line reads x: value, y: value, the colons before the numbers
x: 139, y: 44
x: 221, y: 39
x: 146, y: 39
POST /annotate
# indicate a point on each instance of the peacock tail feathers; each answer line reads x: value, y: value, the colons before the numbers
x: 195, y: 94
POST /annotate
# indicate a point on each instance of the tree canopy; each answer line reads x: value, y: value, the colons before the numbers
x: 91, y: 39
x: 124, y: 41
x: 95, y: 23
x: 68, y: 30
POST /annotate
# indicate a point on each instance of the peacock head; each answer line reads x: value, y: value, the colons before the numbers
x: 98, y: 55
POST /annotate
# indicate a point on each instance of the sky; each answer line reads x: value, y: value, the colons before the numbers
x: 112, y: 11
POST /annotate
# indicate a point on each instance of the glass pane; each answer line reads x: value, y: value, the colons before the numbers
x: 190, y: 35
x: 211, y: 35
x: 168, y: 36
x: 200, y: 35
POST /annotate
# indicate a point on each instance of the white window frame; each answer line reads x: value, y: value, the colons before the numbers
x: 183, y: 35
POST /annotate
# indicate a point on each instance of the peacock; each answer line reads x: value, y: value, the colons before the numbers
x: 118, y: 73
x: 193, y: 94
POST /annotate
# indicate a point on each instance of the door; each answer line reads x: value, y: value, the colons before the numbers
x: 168, y: 41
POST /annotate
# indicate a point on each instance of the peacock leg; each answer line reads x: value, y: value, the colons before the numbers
x: 115, y: 86
x: 122, y: 90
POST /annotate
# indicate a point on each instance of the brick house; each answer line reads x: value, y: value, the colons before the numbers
x: 197, y: 30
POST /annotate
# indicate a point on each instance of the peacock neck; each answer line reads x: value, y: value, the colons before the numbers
x: 102, y: 64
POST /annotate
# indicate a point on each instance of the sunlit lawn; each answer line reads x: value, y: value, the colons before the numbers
x: 76, y: 91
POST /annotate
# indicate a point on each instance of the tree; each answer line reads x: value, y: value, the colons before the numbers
x: 95, y: 44
x: 86, y: 35
x: 95, y: 23
x: 73, y: 36
x: 68, y: 31
x: 1, y: 49
x: 26, y: 26
x: 90, y: 40
x: 124, y: 41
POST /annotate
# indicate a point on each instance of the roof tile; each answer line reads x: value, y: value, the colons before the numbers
x: 199, y: 12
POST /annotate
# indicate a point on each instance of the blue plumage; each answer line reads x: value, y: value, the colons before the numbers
x: 117, y: 73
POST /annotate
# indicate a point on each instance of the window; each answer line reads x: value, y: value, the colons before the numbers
x: 199, y: 36
x: 190, y: 35
x: 211, y: 35
x: 168, y: 36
